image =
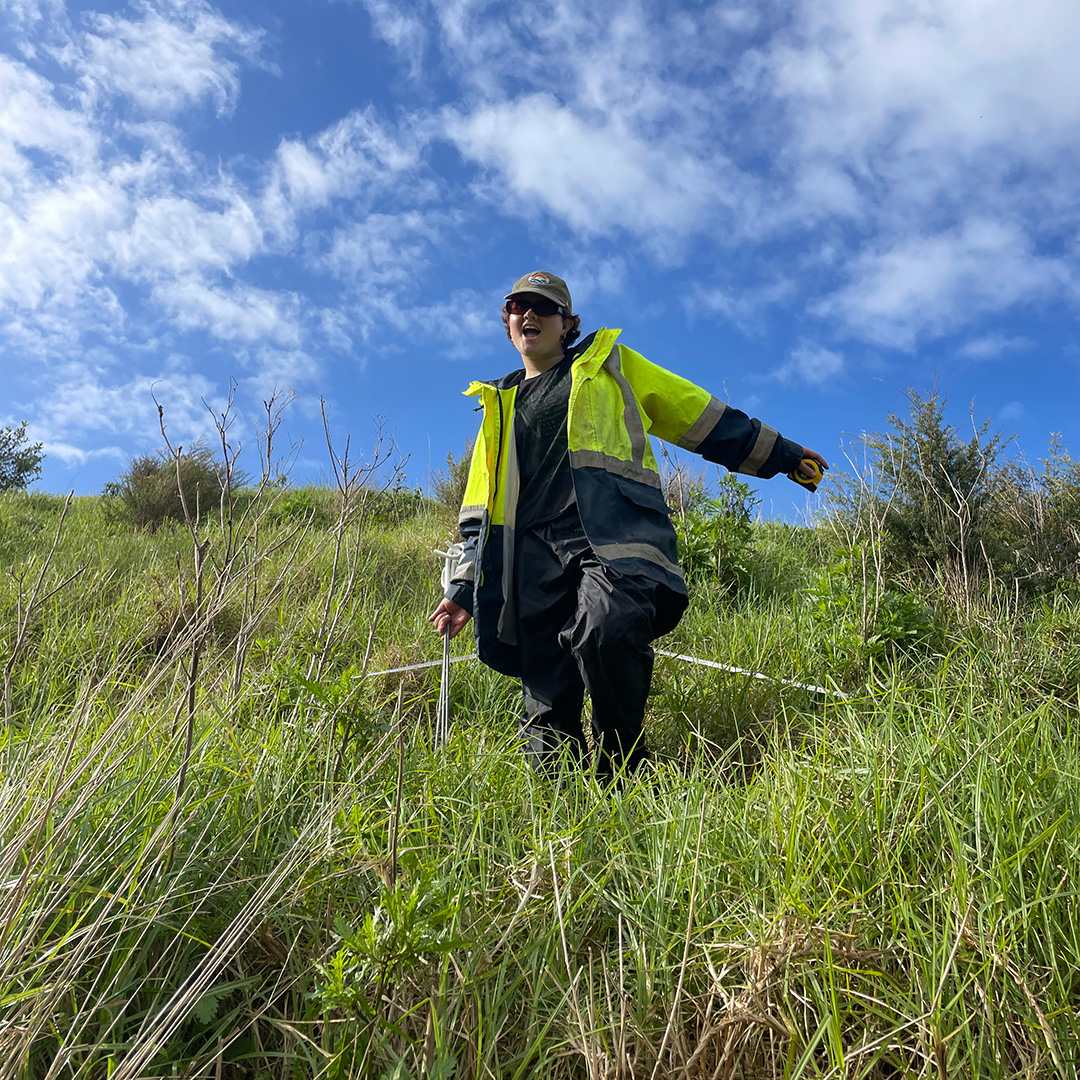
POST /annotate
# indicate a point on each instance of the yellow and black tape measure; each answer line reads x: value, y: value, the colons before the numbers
x: 808, y: 482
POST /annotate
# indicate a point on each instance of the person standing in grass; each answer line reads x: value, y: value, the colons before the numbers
x: 570, y: 568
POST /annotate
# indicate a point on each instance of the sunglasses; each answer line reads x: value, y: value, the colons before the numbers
x: 541, y: 307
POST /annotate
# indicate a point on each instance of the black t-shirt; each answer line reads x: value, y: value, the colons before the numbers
x: 540, y: 408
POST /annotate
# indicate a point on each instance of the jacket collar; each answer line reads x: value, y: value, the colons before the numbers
x: 586, y: 356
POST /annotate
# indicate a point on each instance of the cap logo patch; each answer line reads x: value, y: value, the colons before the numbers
x: 539, y: 279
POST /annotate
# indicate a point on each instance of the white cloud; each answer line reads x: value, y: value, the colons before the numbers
x: 170, y: 58
x: 176, y: 237
x: 810, y: 364
x: 944, y: 131
x: 882, y: 124
x: 356, y: 159
x: 952, y: 78
x: 280, y: 370
x: 234, y: 313
x: 98, y: 211
x: 992, y: 346
x: 70, y: 454
x: 592, y: 275
x: 380, y: 250
x: 463, y: 324
x: 402, y: 30
x: 30, y: 117
x: 745, y: 306
x: 930, y: 285
x: 339, y: 162
x: 82, y: 402
x: 598, y: 177
x: 51, y: 243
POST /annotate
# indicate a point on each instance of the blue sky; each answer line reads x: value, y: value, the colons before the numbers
x: 806, y: 206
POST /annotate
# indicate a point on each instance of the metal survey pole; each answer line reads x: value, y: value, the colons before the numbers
x: 450, y: 558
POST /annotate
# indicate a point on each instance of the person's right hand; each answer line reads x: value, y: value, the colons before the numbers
x: 449, y: 615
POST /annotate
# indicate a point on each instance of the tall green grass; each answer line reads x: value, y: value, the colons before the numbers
x: 877, y: 885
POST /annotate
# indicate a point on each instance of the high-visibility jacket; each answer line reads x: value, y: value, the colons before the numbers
x: 617, y: 400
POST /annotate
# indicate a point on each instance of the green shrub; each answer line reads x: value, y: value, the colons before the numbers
x: 20, y: 461
x: 930, y: 494
x: 393, y: 505
x: 317, y: 505
x: 148, y: 493
x: 951, y: 511
x: 786, y: 557
x: 715, y: 533
x: 448, y: 485
x: 859, y: 621
x: 1041, y: 520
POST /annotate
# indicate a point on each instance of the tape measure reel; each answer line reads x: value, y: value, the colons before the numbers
x: 808, y: 482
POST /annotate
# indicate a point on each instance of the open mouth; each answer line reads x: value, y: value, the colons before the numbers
x: 530, y: 332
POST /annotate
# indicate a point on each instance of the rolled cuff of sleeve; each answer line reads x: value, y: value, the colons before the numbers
x: 790, y: 455
x: 461, y: 593
x: 784, y: 456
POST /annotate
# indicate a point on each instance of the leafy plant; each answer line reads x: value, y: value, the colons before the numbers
x: 305, y: 504
x: 859, y: 622
x: 20, y: 460
x: 715, y: 533
x: 408, y: 928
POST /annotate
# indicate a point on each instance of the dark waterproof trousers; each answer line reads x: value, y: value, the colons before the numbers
x: 582, y: 627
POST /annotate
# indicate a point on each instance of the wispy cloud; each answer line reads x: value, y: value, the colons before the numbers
x: 85, y: 401
x: 600, y: 178
x: 918, y: 141
x: 233, y: 312
x: 105, y: 219
x: 178, y: 53
x: 992, y: 346
x: 811, y: 365
x: 404, y: 31
x: 931, y: 285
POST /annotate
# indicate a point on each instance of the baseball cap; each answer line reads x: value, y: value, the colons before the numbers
x: 544, y: 284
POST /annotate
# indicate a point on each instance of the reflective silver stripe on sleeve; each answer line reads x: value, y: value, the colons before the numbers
x: 466, y: 569
x: 629, y: 470
x: 611, y: 552
x: 506, y: 629
x: 701, y: 427
x: 631, y: 417
x: 757, y: 457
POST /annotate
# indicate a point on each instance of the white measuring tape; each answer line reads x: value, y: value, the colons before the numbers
x: 832, y: 692
x: 450, y: 559
x: 752, y: 674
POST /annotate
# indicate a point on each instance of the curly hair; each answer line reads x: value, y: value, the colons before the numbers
x: 568, y: 338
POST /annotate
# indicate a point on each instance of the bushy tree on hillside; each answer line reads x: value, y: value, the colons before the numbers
x: 148, y: 492
x: 947, y: 507
x: 1043, y: 512
x: 20, y: 460
x: 938, y: 489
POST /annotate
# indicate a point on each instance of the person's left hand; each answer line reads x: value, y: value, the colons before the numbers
x: 449, y: 617
x: 814, y: 456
